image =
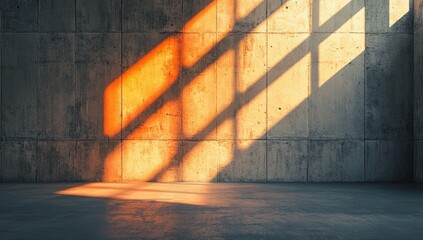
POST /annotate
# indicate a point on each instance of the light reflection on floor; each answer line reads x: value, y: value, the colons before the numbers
x: 211, y: 211
x: 182, y: 193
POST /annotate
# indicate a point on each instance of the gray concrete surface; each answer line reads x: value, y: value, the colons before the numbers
x: 329, y: 91
x: 211, y: 211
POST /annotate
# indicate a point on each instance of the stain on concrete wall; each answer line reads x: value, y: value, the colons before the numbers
x: 210, y: 90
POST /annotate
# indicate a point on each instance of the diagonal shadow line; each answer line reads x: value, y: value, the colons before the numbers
x: 282, y: 66
x: 212, y: 55
x: 220, y: 48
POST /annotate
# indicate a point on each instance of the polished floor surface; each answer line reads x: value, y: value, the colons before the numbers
x: 211, y: 211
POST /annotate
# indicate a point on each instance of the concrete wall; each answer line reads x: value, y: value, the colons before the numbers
x: 201, y: 90
x: 418, y: 89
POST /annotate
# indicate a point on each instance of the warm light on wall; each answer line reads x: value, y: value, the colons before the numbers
x: 397, y: 9
x: 230, y: 99
x: 141, y: 85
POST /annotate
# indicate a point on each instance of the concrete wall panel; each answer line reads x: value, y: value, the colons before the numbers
x: 288, y: 16
x: 200, y: 161
x: 288, y: 87
x: 389, y: 16
x: 19, y: 85
x: 19, y: 160
x: 98, y: 16
x: 418, y: 14
x: 56, y: 161
x: 388, y: 86
x: 241, y: 16
x: 152, y: 16
x: 199, y: 16
x: 287, y: 161
x: 418, y: 161
x: 336, y: 161
x: 246, y: 165
x: 418, y: 84
x: 252, y: 87
x: 56, y: 87
x: 165, y: 120
x: 339, y: 16
x: 57, y: 16
x: 198, y: 94
x: 19, y: 15
x: 93, y: 159
x: 151, y: 160
x: 389, y: 160
x: 98, y: 64
x: 336, y: 106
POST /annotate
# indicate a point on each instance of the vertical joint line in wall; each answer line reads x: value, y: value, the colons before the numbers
x: 235, y: 90
x: 310, y: 78
x: 413, y: 145
x: 74, y: 160
x: 267, y: 95
x: 121, y: 89
x: 1, y: 102
x: 37, y: 159
x: 310, y: 10
x: 216, y: 93
x: 37, y: 15
x: 38, y: 74
x: 75, y: 92
x: 364, y: 99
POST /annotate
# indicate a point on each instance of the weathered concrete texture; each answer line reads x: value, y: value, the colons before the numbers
x: 98, y: 64
x: 336, y: 161
x: 144, y: 160
x: 288, y: 86
x: 336, y: 106
x: 152, y: 16
x: 388, y: 160
x: 418, y: 161
x: 19, y: 85
x: 418, y: 14
x: 165, y: 122
x: 199, y: 89
x: 98, y: 16
x: 19, y: 160
x: 338, y: 16
x: 287, y: 161
x: 207, y: 168
x: 384, y: 16
x: 252, y: 107
x: 93, y: 160
x: 389, y: 89
x: 245, y: 165
x: 203, y: 11
x: 249, y: 16
x: 418, y: 84
x: 19, y: 16
x: 56, y: 87
x: 288, y: 16
x: 202, y: 90
x: 57, y: 16
x: 56, y: 161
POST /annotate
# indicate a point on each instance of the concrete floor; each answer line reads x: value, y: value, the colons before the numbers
x: 211, y: 211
